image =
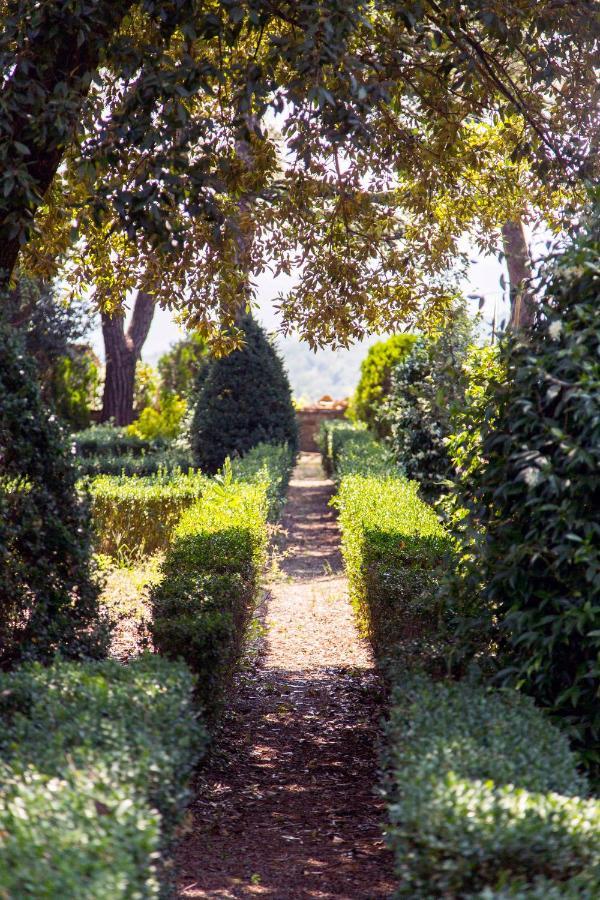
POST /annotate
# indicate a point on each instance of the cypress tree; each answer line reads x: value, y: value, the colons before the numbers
x: 242, y: 399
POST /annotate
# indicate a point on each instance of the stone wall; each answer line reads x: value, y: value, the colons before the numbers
x: 309, y: 422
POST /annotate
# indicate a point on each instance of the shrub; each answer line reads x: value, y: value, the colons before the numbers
x: 393, y: 546
x: 425, y: 387
x: 180, y: 365
x: 482, y: 797
x: 95, y: 761
x: 106, y: 450
x: 535, y: 495
x: 162, y: 422
x: 48, y: 599
x: 171, y: 460
x: 243, y: 399
x: 134, y: 515
x: 270, y: 465
x: 375, y: 380
x: 347, y: 448
x: 211, y: 576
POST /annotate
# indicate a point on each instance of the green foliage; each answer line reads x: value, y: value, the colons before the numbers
x: 270, y: 465
x: 146, y: 386
x: 534, y: 493
x: 375, y: 380
x: 95, y: 760
x: 106, y: 450
x: 211, y: 576
x: 48, y: 600
x: 348, y: 449
x: 425, y: 387
x: 180, y: 366
x: 393, y: 547
x: 136, y: 515
x: 75, y: 383
x: 162, y: 422
x: 243, y: 399
x: 482, y: 798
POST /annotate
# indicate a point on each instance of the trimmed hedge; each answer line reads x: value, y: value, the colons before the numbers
x: 211, y: 576
x: 393, y: 545
x: 138, y: 514
x: 347, y: 448
x: 109, y: 441
x: 270, y: 464
x: 482, y: 793
x: 94, y: 764
x: 106, y: 450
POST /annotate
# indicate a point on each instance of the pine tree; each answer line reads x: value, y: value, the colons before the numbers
x: 243, y: 399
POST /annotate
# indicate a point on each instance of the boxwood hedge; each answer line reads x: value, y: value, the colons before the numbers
x: 137, y: 515
x: 347, y: 448
x: 211, y: 576
x: 393, y: 545
x: 94, y: 765
x: 484, y: 798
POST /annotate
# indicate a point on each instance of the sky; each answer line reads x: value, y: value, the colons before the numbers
x: 338, y: 371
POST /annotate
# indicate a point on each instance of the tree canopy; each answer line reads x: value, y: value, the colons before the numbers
x: 401, y: 126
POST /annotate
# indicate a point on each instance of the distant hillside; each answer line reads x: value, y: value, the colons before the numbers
x: 333, y: 372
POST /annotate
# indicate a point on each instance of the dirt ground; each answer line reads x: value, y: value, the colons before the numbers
x: 286, y: 807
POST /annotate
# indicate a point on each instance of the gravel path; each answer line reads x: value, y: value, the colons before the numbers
x: 286, y: 806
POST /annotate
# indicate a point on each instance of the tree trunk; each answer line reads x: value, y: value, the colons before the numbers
x: 518, y: 263
x: 122, y: 351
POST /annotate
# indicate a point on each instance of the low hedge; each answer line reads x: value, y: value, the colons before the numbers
x: 107, y: 440
x: 94, y: 766
x: 137, y: 515
x: 347, y: 449
x: 483, y: 797
x: 127, y: 464
x: 271, y: 464
x: 211, y: 575
x: 393, y: 546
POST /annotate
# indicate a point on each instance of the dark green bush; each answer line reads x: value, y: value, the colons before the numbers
x: 425, y: 387
x: 376, y: 380
x: 393, y: 546
x: 110, y: 441
x: 482, y: 796
x: 48, y: 599
x: 535, y: 495
x: 243, y: 399
x: 350, y: 449
x: 211, y: 576
x: 94, y: 766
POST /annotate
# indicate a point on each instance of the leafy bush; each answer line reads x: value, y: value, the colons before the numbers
x: 270, y: 465
x: 48, y: 599
x: 107, y: 440
x: 211, y: 576
x: 393, y: 546
x: 171, y: 460
x: 162, y: 422
x: 535, y: 495
x: 180, y: 365
x: 106, y: 450
x: 375, y: 380
x: 94, y: 765
x: 482, y: 797
x: 243, y: 399
x: 347, y: 448
x: 425, y: 387
x: 134, y: 515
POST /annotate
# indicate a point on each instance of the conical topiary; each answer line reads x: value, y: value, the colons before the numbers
x: 242, y: 399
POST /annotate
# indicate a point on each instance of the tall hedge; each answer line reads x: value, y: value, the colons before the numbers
x: 48, y: 600
x: 376, y: 380
x: 535, y: 496
x: 243, y: 399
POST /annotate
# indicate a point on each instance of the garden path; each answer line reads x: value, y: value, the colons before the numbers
x: 286, y: 806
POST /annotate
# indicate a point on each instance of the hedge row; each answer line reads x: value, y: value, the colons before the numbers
x: 211, y: 576
x: 106, y: 450
x: 393, y: 545
x: 484, y: 799
x: 270, y: 464
x: 348, y: 448
x: 137, y: 515
x: 94, y: 765
x: 482, y: 791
